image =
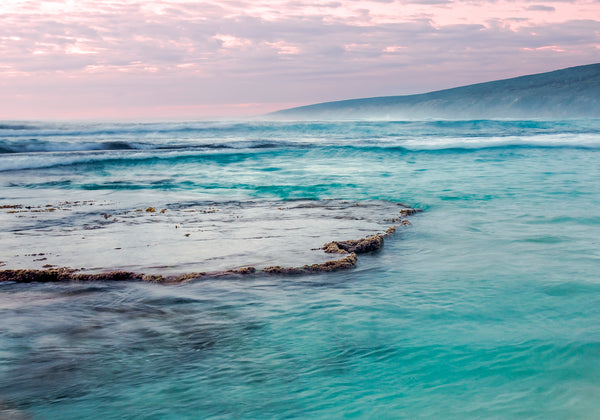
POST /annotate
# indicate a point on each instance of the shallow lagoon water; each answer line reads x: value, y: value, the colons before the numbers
x: 486, y: 307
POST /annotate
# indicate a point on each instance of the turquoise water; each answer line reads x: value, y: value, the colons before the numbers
x: 487, y: 307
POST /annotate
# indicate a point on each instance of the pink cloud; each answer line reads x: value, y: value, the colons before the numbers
x: 108, y: 57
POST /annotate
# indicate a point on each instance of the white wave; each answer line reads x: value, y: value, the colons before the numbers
x: 23, y: 161
x: 542, y: 140
x: 46, y: 160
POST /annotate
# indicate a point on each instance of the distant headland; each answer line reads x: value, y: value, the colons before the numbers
x: 573, y: 92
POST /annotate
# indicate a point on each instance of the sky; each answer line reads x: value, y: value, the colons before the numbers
x: 172, y: 59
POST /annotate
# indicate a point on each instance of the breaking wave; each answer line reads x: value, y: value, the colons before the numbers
x: 29, y: 146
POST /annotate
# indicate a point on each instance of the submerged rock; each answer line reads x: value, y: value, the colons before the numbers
x: 409, y: 212
x: 390, y: 230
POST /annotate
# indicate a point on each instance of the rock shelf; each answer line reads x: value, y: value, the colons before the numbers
x: 356, y: 213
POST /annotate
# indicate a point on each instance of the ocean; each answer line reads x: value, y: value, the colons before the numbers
x: 486, y: 306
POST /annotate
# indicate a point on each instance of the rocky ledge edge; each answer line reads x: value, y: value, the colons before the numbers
x: 349, y: 248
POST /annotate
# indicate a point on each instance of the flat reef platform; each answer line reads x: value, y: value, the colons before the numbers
x: 102, y: 240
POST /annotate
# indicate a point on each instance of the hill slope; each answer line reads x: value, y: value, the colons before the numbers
x: 568, y: 93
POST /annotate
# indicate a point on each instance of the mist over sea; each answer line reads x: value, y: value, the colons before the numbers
x: 487, y: 306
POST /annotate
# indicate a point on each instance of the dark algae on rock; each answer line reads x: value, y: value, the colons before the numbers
x: 328, y: 266
x: 358, y: 246
x: 65, y: 274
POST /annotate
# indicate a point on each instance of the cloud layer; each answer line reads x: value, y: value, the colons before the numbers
x: 107, y: 58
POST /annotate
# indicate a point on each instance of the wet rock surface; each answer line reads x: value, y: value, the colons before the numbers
x: 359, y: 246
x: 225, y: 234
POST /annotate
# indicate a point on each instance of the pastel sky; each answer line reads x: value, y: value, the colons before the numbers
x: 203, y: 59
